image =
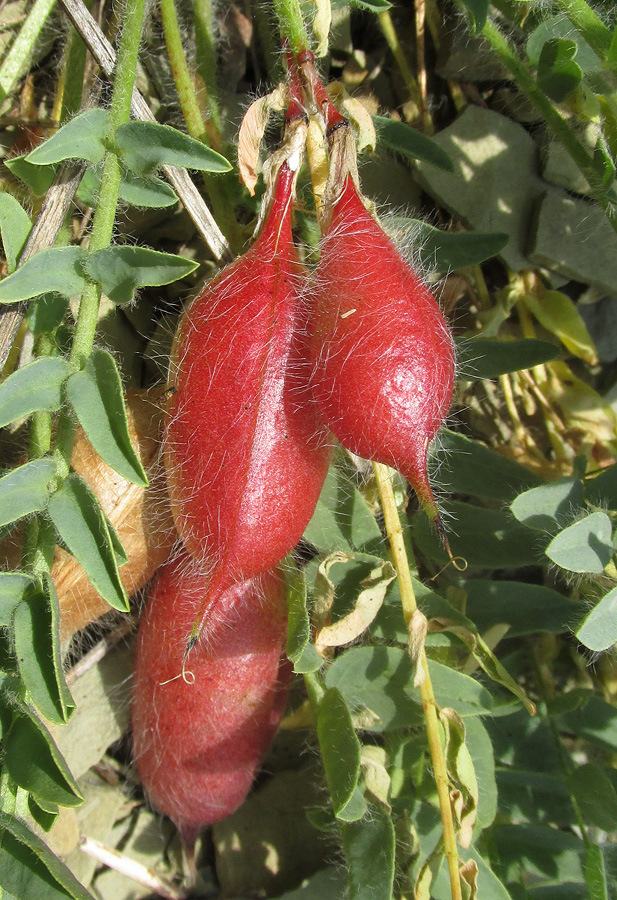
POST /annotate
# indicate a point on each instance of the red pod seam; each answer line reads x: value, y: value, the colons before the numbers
x: 245, y: 448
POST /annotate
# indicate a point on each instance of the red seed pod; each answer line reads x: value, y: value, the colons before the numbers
x: 383, y: 355
x: 202, y: 723
x: 245, y: 449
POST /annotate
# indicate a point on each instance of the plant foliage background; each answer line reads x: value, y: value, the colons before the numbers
x: 496, y: 133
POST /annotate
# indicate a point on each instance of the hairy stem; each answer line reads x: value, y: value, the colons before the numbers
x: 429, y: 706
x: 194, y: 121
x: 104, y: 217
x: 591, y: 26
x: 389, y: 32
x: 552, y: 117
x: 206, y: 57
x: 291, y: 24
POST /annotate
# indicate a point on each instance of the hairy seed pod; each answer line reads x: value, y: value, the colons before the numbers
x: 383, y: 356
x: 202, y: 723
x: 245, y: 450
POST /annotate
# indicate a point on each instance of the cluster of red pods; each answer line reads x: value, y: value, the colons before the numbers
x: 268, y: 362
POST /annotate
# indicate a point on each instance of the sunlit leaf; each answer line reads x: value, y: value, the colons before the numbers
x: 120, y: 270
x: 559, y: 315
x: 77, y: 515
x: 13, y: 588
x: 36, y: 628
x: 96, y: 395
x: 38, y: 385
x: 58, y: 269
x: 34, y: 762
x: 585, y: 546
x: 598, y: 630
x: 549, y: 506
x: 144, y: 146
x: 81, y: 138
x: 340, y: 749
x: 28, y: 868
x: 15, y: 227
x: 25, y: 490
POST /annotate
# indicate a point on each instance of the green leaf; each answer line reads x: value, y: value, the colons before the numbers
x: 144, y: 146
x: 485, y: 358
x: 81, y: 138
x: 146, y: 192
x: 340, y: 749
x: 467, y: 467
x: 598, y: 630
x: 527, y: 608
x: 593, y: 719
x: 449, y: 251
x: 58, y: 269
x: 13, y: 587
x: 300, y: 651
x: 77, y: 515
x: 34, y: 762
x: 602, y: 489
x: 531, y: 796
x: 596, y: 796
x: 25, y: 490
x: 37, y: 385
x: 96, y: 395
x: 121, y: 270
x: 487, y: 538
x: 403, y: 139
x: 342, y: 519
x: 15, y: 227
x: 585, y: 546
x: 44, y: 814
x: 481, y: 750
x: 549, y: 506
x: 559, y: 315
x: 559, y: 26
x: 380, y: 679
x: 558, y: 74
x: 28, y: 868
x: 478, y: 12
x: 47, y: 313
x: 538, y: 852
x: 36, y: 628
x: 38, y: 178
x: 369, y: 848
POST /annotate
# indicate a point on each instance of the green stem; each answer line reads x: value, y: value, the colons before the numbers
x: 429, y: 704
x: 73, y: 71
x: 222, y: 208
x: 206, y: 57
x: 23, y: 45
x: 389, y: 32
x: 552, y: 117
x: 104, y: 217
x: 291, y: 24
